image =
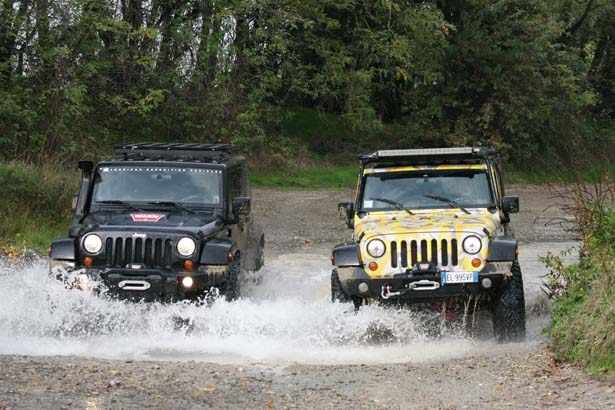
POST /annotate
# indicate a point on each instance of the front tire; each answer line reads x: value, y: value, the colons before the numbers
x: 338, y: 294
x: 509, y: 309
x: 231, y: 286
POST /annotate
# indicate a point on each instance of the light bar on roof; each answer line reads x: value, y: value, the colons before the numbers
x: 426, y: 152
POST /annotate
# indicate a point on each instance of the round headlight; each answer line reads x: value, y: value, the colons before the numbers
x: 376, y: 248
x: 92, y: 243
x: 472, y: 244
x: 186, y: 246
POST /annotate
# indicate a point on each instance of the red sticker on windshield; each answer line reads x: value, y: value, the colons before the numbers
x: 146, y: 217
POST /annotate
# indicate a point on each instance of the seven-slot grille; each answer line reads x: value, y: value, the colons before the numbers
x: 153, y: 252
x: 408, y: 253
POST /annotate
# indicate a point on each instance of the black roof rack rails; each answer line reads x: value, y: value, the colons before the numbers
x: 435, y: 153
x: 164, y: 149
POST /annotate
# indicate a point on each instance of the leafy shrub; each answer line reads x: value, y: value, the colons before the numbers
x: 35, y: 202
x: 583, y: 322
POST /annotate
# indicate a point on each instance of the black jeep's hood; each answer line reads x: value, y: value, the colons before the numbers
x: 163, y: 220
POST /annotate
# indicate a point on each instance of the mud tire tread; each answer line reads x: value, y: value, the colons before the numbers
x: 509, y: 309
x: 337, y: 292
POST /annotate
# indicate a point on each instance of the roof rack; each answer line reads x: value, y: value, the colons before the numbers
x: 161, y: 149
x: 433, y: 153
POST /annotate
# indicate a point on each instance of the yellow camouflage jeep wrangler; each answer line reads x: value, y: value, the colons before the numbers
x: 431, y: 225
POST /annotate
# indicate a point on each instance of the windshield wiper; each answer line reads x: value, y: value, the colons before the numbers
x: 453, y: 204
x: 396, y: 204
x: 174, y: 204
x: 118, y: 202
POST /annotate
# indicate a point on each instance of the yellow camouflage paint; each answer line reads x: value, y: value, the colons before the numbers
x: 424, y: 227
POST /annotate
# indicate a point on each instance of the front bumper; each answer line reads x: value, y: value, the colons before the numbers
x: 149, y: 285
x: 421, y: 286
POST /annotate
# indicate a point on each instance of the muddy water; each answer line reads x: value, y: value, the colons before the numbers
x: 287, y: 318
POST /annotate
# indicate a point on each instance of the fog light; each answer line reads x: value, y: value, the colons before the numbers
x: 187, y: 282
x: 363, y: 287
x: 486, y: 283
x: 476, y: 262
x: 373, y: 266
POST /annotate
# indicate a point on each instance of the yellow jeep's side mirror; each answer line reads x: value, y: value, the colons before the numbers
x: 346, y: 213
x: 510, y: 204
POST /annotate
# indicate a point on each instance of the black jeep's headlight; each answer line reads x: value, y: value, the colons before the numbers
x: 472, y: 244
x: 376, y: 248
x: 92, y: 243
x: 186, y: 246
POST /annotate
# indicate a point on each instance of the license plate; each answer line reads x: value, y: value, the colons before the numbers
x: 459, y: 277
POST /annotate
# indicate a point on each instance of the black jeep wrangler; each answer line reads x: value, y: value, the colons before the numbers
x: 162, y: 222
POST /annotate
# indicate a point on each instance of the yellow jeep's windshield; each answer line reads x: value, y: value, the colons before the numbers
x: 387, y: 189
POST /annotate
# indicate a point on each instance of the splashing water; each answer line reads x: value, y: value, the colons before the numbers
x: 286, y: 318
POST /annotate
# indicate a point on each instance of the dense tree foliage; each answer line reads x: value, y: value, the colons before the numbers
x: 529, y: 75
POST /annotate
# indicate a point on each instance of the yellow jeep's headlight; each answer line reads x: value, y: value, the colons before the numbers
x: 92, y: 243
x: 186, y: 246
x: 376, y: 248
x: 472, y: 244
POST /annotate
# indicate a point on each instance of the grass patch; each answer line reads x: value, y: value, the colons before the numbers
x: 317, y: 177
x: 35, y: 204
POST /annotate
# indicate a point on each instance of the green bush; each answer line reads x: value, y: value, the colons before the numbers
x: 583, y: 322
x: 35, y: 203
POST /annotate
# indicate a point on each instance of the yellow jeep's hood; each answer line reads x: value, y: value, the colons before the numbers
x: 436, y: 221
x: 434, y: 235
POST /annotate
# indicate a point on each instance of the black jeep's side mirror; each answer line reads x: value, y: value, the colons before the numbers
x: 241, y: 206
x: 346, y: 213
x: 510, y: 204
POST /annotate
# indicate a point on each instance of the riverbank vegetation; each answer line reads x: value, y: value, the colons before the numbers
x: 583, y: 322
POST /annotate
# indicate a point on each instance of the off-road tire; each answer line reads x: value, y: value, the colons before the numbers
x: 231, y: 288
x: 338, y: 294
x: 509, y: 309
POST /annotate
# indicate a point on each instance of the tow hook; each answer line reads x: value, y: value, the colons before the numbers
x: 387, y: 290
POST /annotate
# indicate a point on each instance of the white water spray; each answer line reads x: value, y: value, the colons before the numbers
x: 286, y: 318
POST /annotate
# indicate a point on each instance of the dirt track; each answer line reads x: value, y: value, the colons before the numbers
x: 518, y: 376
x: 298, y: 218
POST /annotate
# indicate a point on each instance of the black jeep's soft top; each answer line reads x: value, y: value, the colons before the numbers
x: 163, y: 222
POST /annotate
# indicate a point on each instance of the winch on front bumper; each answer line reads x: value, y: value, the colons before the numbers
x: 146, y: 284
x: 423, y: 285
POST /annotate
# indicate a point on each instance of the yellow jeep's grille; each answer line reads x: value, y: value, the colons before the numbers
x: 408, y: 253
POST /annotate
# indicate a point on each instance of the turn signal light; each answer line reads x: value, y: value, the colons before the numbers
x: 476, y: 262
x: 87, y: 262
x: 373, y: 266
x: 230, y: 256
x: 188, y: 265
x: 517, y: 251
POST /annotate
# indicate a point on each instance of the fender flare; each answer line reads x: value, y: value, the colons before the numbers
x: 215, y: 252
x: 346, y: 255
x: 63, y: 249
x: 502, y: 248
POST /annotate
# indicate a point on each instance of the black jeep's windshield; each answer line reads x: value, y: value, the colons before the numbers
x: 148, y: 184
x: 426, y: 189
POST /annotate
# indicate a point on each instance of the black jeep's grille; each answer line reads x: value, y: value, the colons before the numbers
x: 153, y: 252
x: 408, y: 253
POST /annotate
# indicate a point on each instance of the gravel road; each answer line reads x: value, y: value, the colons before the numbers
x: 302, y: 225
